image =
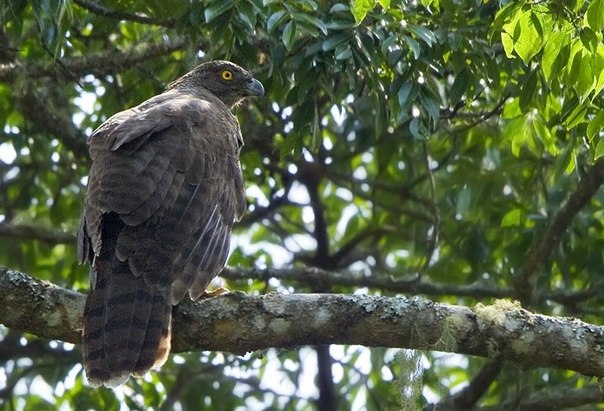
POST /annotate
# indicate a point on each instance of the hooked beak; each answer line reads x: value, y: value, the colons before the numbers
x: 254, y: 88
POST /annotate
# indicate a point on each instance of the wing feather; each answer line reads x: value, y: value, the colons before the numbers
x: 170, y: 170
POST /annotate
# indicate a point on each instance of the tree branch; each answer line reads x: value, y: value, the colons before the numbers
x: 328, y: 399
x: 310, y: 175
x: 120, y: 15
x: 42, y: 110
x: 30, y: 232
x: 99, y: 63
x: 319, y: 279
x: 467, y: 398
x: 542, y: 247
x: 240, y: 323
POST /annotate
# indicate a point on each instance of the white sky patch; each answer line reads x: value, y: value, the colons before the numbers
x: 347, y: 213
x: 86, y: 101
x: 256, y: 193
x: 307, y: 155
x: 344, y: 194
x: 7, y: 153
x: 3, y: 376
x: 360, y: 173
x: 367, y: 157
x: 393, y: 257
x: 275, y: 380
x: 338, y: 114
x: 292, y: 168
x: 298, y: 194
x: 280, y: 256
x: 300, y: 242
x: 308, y: 216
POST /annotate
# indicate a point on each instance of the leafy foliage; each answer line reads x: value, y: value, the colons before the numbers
x: 432, y: 142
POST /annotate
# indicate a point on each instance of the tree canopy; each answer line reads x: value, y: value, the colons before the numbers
x: 428, y: 170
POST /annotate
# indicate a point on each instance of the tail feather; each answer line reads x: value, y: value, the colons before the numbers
x: 156, y: 347
x: 126, y: 330
x: 126, y: 321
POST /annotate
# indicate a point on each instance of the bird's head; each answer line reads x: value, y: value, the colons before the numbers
x: 226, y: 80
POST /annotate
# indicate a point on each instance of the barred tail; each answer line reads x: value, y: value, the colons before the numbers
x: 127, y: 323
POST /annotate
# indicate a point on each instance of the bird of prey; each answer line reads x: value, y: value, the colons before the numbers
x: 164, y: 189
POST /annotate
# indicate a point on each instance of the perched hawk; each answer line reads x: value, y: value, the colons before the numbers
x: 164, y: 189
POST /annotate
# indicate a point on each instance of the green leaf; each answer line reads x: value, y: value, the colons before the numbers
x: 414, y: 129
x: 512, y: 109
x: 464, y: 198
x: 596, y: 125
x: 595, y: 15
x: 555, y: 51
x: 576, y: 116
x: 343, y: 52
x: 311, y: 20
x: 433, y: 4
x: 529, y: 40
x: 360, y: 8
x: 381, y: 115
x: 289, y: 35
x: 394, y: 57
x: 334, y: 41
x: 571, y: 163
x: 512, y: 218
x: 293, y: 143
x: 507, y: 14
x: 217, y: 8
x: 580, y: 73
x: 508, y: 44
x: 274, y: 20
x: 597, y: 67
x: 543, y: 134
x: 35, y: 403
x: 430, y: 104
x: 423, y: 33
x: 460, y: 86
x: 406, y: 95
x: 599, y: 149
x: 518, y: 131
x: 339, y: 24
x: 589, y: 39
x: 413, y: 45
x: 529, y: 90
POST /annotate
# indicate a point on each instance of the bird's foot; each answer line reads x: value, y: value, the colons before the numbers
x: 215, y: 293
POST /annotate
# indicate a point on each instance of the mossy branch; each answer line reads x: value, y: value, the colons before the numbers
x: 241, y: 323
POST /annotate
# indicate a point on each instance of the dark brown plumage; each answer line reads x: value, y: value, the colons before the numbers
x: 164, y: 189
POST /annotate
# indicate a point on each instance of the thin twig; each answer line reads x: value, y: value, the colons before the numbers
x: 31, y: 232
x: 120, y: 15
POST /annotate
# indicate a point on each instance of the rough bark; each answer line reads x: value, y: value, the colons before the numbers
x: 240, y: 323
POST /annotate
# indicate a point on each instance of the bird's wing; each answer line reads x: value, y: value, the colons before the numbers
x: 169, y: 169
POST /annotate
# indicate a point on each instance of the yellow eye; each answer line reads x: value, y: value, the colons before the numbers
x: 226, y: 75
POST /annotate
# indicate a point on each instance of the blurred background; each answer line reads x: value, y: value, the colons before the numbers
x: 402, y: 148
